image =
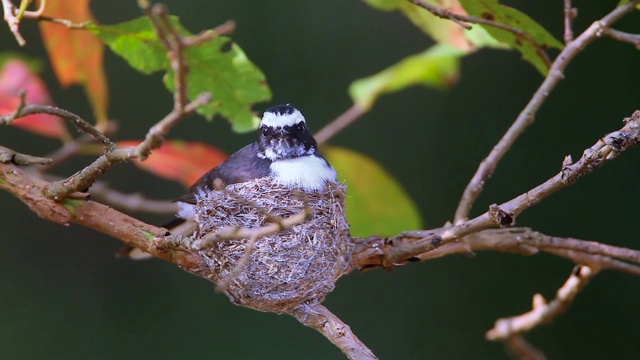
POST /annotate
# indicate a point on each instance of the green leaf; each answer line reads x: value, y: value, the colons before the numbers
x: 441, y: 30
x: 71, y: 204
x: 437, y: 67
x: 622, y: 2
x: 493, y: 10
x: 148, y: 235
x: 376, y: 202
x: 218, y: 66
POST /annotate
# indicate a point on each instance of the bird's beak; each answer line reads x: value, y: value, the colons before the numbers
x: 281, y: 132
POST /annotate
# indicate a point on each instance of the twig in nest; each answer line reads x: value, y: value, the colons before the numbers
x: 542, y: 311
x: 527, y: 115
x: 235, y: 233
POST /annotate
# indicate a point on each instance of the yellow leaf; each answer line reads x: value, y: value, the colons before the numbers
x: 376, y: 202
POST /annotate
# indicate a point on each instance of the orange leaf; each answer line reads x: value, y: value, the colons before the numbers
x: 16, y: 76
x: 76, y: 55
x: 179, y: 160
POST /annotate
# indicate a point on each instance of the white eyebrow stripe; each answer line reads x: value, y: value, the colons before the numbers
x: 279, y: 120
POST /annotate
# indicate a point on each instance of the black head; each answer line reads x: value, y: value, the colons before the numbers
x: 284, y: 134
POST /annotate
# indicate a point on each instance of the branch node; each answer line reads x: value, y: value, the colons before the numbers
x: 501, y: 217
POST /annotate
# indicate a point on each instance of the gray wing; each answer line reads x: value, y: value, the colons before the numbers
x: 242, y: 166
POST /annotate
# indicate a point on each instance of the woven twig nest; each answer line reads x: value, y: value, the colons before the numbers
x: 285, y: 270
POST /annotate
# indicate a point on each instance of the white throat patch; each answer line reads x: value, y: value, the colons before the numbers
x: 279, y: 120
x: 305, y: 172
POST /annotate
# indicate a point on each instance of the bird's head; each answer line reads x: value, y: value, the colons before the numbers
x: 284, y: 134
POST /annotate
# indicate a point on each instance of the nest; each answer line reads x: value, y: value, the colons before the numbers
x: 285, y: 270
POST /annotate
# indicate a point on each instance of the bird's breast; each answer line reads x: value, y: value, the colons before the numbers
x: 305, y: 172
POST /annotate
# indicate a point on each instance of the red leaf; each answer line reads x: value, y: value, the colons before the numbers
x: 76, y: 55
x: 16, y: 76
x: 179, y: 160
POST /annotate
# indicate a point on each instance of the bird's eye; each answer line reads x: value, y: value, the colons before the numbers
x: 266, y: 131
x: 299, y: 127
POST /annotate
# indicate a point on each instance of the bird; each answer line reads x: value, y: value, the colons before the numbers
x: 284, y: 150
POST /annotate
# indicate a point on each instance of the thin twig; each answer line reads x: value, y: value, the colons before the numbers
x: 86, y: 177
x: 443, y: 13
x: 225, y: 28
x: 10, y: 156
x: 463, y: 19
x: 519, y: 348
x: 633, y: 39
x: 64, y: 22
x: 10, y: 13
x: 412, y: 244
x: 594, y: 261
x: 71, y: 148
x: 135, y: 202
x: 542, y: 311
x: 527, y: 116
x: 372, y: 251
x: 570, y: 14
x: 173, y: 43
x: 338, y: 124
x: 76, y: 120
x: 335, y: 330
x: 155, y: 135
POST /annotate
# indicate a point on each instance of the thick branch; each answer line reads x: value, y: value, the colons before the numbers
x: 527, y: 116
x: 30, y: 190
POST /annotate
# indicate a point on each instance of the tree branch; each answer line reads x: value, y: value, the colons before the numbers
x: 320, y: 318
x: 338, y: 124
x: 411, y: 244
x: 31, y: 191
x: 527, y: 116
x: 570, y: 14
x: 463, y: 19
x: 86, y: 177
x: 633, y: 39
x: 81, y: 124
x: 10, y: 156
x: 135, y: 202
x: 542, y: 311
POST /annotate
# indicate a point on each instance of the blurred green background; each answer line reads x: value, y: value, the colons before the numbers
x: 64, y: 295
